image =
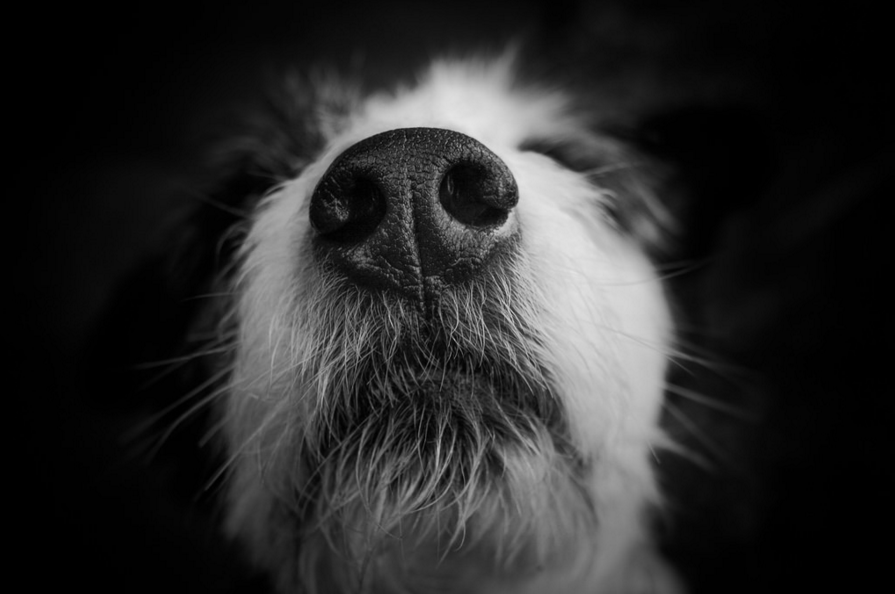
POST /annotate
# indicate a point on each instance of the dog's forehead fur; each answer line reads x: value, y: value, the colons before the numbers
x: 476, y: 97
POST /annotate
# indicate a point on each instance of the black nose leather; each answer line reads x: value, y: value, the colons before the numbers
x: 413, y: 210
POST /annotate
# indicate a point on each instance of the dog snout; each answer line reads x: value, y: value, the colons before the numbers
x: 413, y: 210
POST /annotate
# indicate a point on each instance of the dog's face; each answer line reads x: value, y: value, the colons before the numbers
x: 450, y: 349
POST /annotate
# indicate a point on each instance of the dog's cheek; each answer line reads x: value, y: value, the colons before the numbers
x: 267, y: 290
x: 602, y: 305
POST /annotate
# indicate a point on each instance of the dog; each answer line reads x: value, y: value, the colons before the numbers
x: 262, y: 358
x: 440, y: 345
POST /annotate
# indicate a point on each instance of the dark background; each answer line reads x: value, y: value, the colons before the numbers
x: 779, y: 112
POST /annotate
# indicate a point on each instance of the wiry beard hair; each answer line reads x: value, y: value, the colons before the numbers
x: 413, y: 435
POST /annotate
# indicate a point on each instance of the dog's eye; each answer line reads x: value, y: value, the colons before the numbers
x: 565, y: 153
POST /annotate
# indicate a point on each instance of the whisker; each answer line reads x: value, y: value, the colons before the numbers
x: 733, y: 411
x: 176, y: 362
x: 221, y: 206
x: 156, y: 417
x: 701, y: 436
x: 203, y: 402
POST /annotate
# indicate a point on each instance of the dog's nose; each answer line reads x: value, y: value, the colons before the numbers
x: 414, y: 210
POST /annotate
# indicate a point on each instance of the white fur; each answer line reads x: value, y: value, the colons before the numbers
x: 590, y: 294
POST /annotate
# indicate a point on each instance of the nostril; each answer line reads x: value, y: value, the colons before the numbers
x: 476, y: 195
x: 349, y: 211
